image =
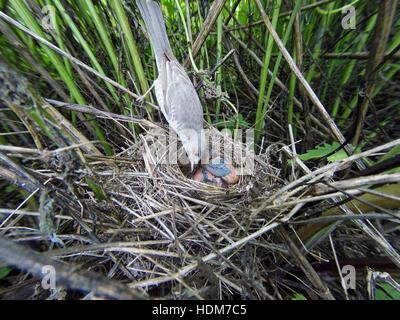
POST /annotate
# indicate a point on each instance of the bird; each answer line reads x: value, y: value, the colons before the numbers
x: 177, y: 98
x: 175, y: 93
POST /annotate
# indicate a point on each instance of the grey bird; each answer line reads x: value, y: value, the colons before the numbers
x: 176, y: 95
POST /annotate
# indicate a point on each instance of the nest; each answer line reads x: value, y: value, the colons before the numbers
x: 167, y: 221
x: 161, y: 234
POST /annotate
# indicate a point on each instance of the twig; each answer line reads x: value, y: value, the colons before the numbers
x: 99, y: 113
x: 336, y: 133
x: 65, y: 275
x: 283, y: 14
x: 65, y: 54
x: 212, y: 16
x: 218, y: 65
x: 305, y: 265
x: 353, y: 55
x: 378, y: 47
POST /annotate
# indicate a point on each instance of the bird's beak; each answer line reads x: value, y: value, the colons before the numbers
x: 191, y: 166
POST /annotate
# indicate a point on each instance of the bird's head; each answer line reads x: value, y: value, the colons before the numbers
x: 195, y: 145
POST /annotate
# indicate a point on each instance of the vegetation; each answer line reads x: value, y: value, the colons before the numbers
x: 81, y: 184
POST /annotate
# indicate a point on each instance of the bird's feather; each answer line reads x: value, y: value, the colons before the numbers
x: 176, y: 95
x: 153, y: 18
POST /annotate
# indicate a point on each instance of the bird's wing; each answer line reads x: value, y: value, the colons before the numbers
x: 181, y: 99
x: 177, y: 97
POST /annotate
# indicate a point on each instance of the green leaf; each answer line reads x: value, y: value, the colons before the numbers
x: 11, y: 188
x: 388, y: 293
x: 392, y: 152
x: 231, y: 122
x: 4, y: 272
x: 242, y: 122
x: 299, y: 296
x: 322, y: 151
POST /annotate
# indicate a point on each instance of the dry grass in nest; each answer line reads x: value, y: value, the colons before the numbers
x: 174, y: 220
x: 162, y: 234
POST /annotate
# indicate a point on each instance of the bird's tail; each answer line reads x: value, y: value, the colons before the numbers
x: 153, y: 18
